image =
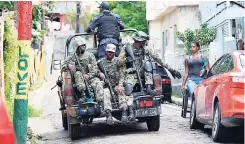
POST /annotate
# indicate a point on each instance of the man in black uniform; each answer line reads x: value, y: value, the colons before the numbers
x: 109, y: 26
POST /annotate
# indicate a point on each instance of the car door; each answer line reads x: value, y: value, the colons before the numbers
x: 221, y: 76
x: 202, y: 90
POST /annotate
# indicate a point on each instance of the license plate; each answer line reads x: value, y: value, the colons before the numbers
x: 146, y: 112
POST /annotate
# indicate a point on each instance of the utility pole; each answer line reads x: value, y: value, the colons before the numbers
x: 21, y: 96
x: 78, y: 16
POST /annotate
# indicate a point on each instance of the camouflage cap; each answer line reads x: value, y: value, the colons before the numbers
x: 78, y: 41
x: 140, y: 36
x: 111, y: 48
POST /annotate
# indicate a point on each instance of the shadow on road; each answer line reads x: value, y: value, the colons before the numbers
x: 234, y: 135
x: 99, y: 130
x: 102, y: 129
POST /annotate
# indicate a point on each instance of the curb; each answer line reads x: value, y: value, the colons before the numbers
x: 177, y: 100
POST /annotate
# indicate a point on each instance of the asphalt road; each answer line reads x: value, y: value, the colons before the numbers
x: 174, y: 129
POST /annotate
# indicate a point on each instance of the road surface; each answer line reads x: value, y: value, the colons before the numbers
x: 174, y: 129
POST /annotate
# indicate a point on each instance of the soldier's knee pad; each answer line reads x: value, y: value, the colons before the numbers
x: 128, y: 89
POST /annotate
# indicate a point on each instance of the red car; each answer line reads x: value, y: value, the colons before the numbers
x: 7, y: 134
x: 219, y: 100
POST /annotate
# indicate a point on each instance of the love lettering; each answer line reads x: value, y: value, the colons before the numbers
x: 21, y: 86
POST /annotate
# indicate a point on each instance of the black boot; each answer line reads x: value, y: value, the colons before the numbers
x: 109, y: 119
x: 131, y: 114
x: 124, y: 116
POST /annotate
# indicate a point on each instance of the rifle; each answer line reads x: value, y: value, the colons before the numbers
x: 102, y: 69
x: 131, y: 54
x: 82, y: 71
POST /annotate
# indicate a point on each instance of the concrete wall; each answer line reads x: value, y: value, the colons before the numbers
x: 177, y: 19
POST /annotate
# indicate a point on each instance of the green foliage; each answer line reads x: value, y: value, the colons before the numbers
x: 37, y: 33
x: 204, y: 36
x: 132, y: 13
x: 7, y: 5
x: 10, y: 53
x: 34, y: 112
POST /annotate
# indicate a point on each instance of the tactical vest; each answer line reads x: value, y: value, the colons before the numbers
x: 84, y: 61
x: 112, y: 71
x: 139, y: 57
x: 108, y: 26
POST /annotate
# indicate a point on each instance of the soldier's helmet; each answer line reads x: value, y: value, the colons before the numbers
x: 78, y: 41
x: 111, y: 48
x: 140, y: 36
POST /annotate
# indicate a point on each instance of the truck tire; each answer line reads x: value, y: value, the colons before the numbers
x: 64, y: 122
x: 75, y: 131
x: 153, y: 123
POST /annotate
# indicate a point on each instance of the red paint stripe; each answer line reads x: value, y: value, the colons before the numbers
x: 25, y: 20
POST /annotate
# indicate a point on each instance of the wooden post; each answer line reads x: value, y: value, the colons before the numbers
x: 21, y: 95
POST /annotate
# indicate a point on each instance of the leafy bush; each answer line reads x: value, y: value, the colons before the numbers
x: 204, y: 36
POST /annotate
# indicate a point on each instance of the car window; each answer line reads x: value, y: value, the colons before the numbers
x: 215, y: 67
x: 242, y: 58
x: 225, y: 65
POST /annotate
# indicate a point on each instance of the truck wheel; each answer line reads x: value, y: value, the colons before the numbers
x: 75, y: 131
x: 194, y: 124
x: 64, y: 122
x: 218, y: 130
x: 153, y: 123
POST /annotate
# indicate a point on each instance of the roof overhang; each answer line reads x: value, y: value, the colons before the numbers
x: 165, y: 12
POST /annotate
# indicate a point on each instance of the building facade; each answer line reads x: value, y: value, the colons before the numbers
x: 228, y: 18
x: 164, y: 20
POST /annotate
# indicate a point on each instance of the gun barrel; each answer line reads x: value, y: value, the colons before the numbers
x: 85, y: 81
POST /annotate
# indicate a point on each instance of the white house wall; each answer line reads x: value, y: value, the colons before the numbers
x: 215, y: 16
x: 155, y: 34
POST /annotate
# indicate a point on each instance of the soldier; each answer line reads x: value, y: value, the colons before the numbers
x: 116, y: 78
x: 141, y: 53
x: 91, y: 73
x: 109, y: 26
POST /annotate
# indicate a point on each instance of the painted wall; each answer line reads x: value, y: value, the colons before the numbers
x: 163, y: 35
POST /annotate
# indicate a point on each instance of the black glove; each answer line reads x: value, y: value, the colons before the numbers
x: 175, y: 74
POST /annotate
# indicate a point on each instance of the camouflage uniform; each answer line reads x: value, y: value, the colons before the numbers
x: 116, y: 79
x: 140, y: 55
x: 116, y: 75
x: 89, y: 65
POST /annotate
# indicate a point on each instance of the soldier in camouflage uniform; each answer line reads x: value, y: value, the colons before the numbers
x: 116, y: 78
x: 91, y: 73
x: 141, y: 53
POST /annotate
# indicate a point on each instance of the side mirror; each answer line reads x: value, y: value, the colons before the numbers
x: 129, y: 51
x: 204, y: 74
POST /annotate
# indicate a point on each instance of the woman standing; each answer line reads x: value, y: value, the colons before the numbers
x: 195, y: 65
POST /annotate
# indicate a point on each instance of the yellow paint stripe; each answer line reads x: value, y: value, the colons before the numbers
x: 25, y: 50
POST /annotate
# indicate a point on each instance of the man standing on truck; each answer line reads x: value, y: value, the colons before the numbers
x: 109, y: 26
x: 91, y: 74
x: 116, y: 78
x: 141, y: 53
